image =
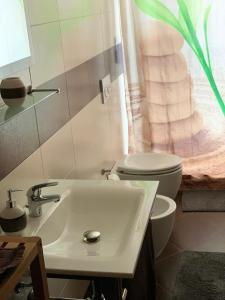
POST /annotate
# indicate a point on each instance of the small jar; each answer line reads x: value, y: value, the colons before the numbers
x: 13, y: 91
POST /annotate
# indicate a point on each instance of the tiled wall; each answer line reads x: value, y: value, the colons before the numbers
x: 70, y: 135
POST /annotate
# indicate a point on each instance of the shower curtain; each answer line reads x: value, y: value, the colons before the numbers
x: 175, y: 77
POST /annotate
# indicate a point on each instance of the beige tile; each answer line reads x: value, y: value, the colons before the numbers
x: 75, y: 289
x: 108, y: 5
x: 199, y: 231
x: 82, y: 40
x: 170, y: 250
x: 92, y: 7
x: 109, y: 30
x: 42, y: 11
x: 93, y: 36
x: 92, y: 139
x: 28, y: 173
x: 79, y: 8
x: 162, y: 294
x: 58, y: 154
x: 115, y: 122
x: 48, y: 54
x: 72, y: 42
x: 166, y: 271
x: 194, y: 232
x: 70, y: 9
x: 56, y: 286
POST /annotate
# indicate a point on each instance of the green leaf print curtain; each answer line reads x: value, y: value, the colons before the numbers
x: 175, y: 74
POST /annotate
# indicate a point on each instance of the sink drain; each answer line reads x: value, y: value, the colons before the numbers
x: 91, y: 236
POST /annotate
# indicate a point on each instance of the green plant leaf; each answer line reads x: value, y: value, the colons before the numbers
x: 206, y: 18
x: 195, y: 8
x: 195, y: 11
x: 157, y: 10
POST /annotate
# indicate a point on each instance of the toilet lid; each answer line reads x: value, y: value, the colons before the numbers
x: 149, y: 163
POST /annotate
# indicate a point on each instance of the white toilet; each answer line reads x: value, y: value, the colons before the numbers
x: 165, y: 168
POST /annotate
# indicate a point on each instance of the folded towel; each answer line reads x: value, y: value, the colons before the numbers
x: 10, y: 258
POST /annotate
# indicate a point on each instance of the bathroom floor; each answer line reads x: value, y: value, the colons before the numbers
x: 192, y: 231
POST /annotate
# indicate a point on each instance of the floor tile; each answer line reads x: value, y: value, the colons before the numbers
x: 162, y: 294
x: 170, y: 249
x: 179, y: 212
x: 166, y: 271
x: 192, y: 231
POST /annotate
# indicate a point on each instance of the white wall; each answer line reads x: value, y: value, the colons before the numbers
x: 65, y: 33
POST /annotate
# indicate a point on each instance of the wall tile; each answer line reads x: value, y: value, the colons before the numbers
x: 97, y: 70
x: 48, y: 56
x: 114, y: 61
x: 58, y: 154
x: 19, y: 139
x: 78, y: 8
x: 53, y: 112
x: 92, y: 139
x: 83, y: 83
x: 73, y: 42
x: 108, y: 5
x: 93, y: 33
x: 82, y: 40
x: 92, y: 7
x: 75, y: 289
x: 42, y: 11
x: 56, y: 286
x: 28, y: 173
x: 115, y: 126
x: 78, y: 84
x: 70, y: 9
x: 109, y: 30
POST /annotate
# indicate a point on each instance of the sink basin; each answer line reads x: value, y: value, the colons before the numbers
x: 119, y: 210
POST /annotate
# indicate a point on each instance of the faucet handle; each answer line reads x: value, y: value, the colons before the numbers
x: 36, y: 189
x: 43, y: 185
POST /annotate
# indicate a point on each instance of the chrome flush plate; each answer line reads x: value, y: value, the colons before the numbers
x: 105, y: 88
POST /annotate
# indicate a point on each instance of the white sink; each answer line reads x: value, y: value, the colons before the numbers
x: 119, y: 210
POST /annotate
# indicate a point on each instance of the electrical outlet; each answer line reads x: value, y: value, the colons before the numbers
x: 105, y: 88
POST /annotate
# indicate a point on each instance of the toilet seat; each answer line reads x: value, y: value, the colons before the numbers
x: 149, y: 164
x: 148, y: 173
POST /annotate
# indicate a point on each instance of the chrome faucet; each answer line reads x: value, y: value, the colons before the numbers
x: 36, y: 199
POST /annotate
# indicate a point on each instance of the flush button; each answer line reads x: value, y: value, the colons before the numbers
x: 91, y: 236
x: 105, y: 88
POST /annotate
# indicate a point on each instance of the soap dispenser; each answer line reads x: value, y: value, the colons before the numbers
x: 13, y: 217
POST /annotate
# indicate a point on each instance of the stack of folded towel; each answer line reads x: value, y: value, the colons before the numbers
x: 10, y: 258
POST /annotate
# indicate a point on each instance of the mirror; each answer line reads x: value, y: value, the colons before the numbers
x: 15, y: 50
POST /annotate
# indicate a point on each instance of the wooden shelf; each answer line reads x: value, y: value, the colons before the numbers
x: 33, y: 259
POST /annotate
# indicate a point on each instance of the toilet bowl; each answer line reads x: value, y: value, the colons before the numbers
x: 165, y: 168
x: 162, y: 217
x: 162, y: 167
